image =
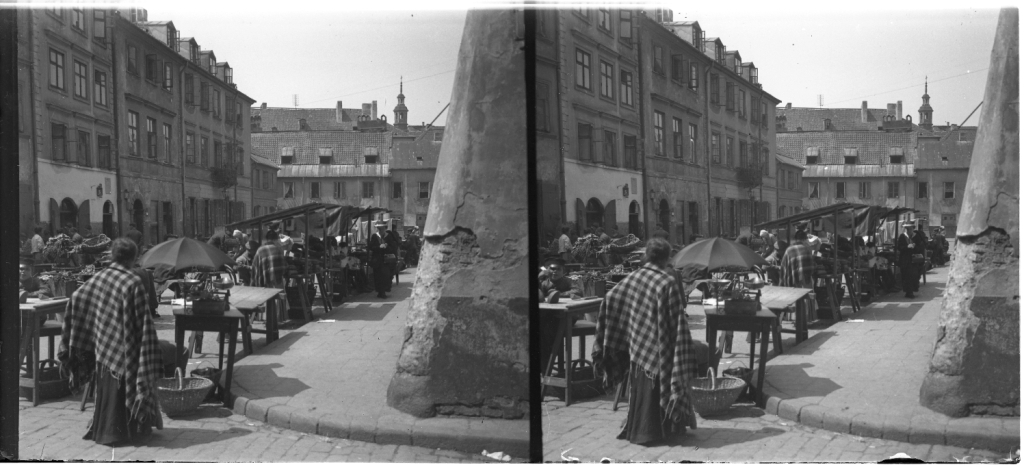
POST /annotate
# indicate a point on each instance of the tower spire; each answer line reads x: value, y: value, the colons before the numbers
x: 401, y: 111
x: 925, y: 112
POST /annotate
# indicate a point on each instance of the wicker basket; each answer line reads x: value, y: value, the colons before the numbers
x: 181, y: 395
x: 51, y: 384
x: 711, y: 396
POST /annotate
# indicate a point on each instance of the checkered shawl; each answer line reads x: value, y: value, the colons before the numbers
x: 268, y: 267
x: 109, y: 316
x: 797, y: 266
x: 641, y: 319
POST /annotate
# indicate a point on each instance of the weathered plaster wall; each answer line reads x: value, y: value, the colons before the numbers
x: 975, y: 366
x: 466, y: 348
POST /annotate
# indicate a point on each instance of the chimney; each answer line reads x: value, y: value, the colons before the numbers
x: 374, y: 115
x: 899, y: 109
x: 890, y: 109
x: 339, y: 113
x: 367, y: 108
x: 263, y: 106
x: 789, y: 105
x: 864, y: 111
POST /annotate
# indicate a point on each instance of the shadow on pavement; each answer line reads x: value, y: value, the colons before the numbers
x: 207, y: 410
x: 362, y: 312
x: 809, y: 346
x: 890, y: 312
x: 737, y: 411
x: 280, y: 346
x: 719, y: 437
x: 797, y: 382
x: 271, y: 385
x: 184, y: 438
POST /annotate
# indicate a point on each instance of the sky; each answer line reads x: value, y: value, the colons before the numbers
x: 324, y: 53
x: 875, y: 53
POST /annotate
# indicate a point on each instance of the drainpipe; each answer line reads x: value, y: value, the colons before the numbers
x: 561, y: 131
x: 642, y: 150
x: 707, y: 139
x: 33, y: 79
x: 761, y: 144
x: 118, y: 92
x: 181, y: 139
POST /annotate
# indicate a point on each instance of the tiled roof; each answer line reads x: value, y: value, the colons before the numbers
x: 334, y: 171
x: 872, y: 146
x: 787, y: 160
x: 410, y: 145
x: 813, y: 119
x: 348, y: 147
x: 318, y: 119
x: 258, y: 158
x: 932, y: 149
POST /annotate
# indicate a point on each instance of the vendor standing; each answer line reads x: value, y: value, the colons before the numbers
x: 379, y: 248
x: 642, y: 334
x: 907, y: 247
x: 109, y: 338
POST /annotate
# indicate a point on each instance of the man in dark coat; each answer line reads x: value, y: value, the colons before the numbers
x: 906, y: 248
x: 379, y: 248
x: 134, y: 235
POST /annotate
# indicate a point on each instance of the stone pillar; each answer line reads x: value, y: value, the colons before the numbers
x: 975, y: 366
x: 466, y: 347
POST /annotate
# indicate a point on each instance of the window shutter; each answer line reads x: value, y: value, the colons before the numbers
x: 83, y: 216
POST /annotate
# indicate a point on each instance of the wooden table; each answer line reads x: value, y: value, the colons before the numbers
x: 778, y: 299
x: 567, y: 311
x: 228, y: 323
x: 33, y: 313
x: 248, y: 300
x: 760, y: 323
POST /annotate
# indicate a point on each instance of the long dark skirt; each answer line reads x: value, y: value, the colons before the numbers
x: 381, y: 277
x: 910, y: 274
x: 111, y: 421
x: 644, y: 422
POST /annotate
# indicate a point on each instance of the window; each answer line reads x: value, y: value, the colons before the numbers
x: 131, y: 60
x: 151, y: 138
x: 287, y: 155
x: 659, y: 133
x: 922, y: 189
x: 741, y: 105
x: 754, y: 111
x: 626, y: 26
x: 812, y: 190
x: 190, y: 90
x: 694, y: 76
x: 152, y: 68
x: 438, y: 136
x: 339, y: 187
x: 314, y: 190
x: 99, y: 83
x: 677, y: 138
x: 216, y: 103
x: 658, y: 59
x: 204, y: 96
x: 765, y: 164
x: 840, y: 190
x: 864, y: 191
x: 542, y: 104
x: 730, y: 96
x: 714, y: 88
x: 396, y: 190
x: 99, y: 24
x: 716, y: 148
x: 894, y: 189
x: 133, y: 133
x: 948, y: 190
x: 629, y: 152
x: 693, y: 143
x: 58, y: 142
x: 190, y: 148
x: 604, y: 20
x: 896, y: 155
x: 370, y: 155
x: 167, y: 143
x: 204, y: 151
x: 585, y: 142
x: 626, y: 87
x: 742, y: 162
x: 289, y: 189
x: 610, y: 144
x: 424, y: 192
x: 326, y: 155
x: 368, y: 189
x: 728, y: 151
x: 240, y: 160
x: 168, y: 76
x: 850, y: 155
x: 82, y: 149
x: 56, y: 69
x: 582, y: 69
x: 607, y: 80
x: 81, y: 84
x: 218, y: 154
x: 764, y: 114
x: 678, y: 70
x: 963, y: 137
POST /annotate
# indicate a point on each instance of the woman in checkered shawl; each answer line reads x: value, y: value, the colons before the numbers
x: 642, y: 333
x: 109, y: 339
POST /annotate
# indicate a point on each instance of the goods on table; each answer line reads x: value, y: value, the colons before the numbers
x: 622, y: 245
x: 95, y: 244
x: 58, y: 247
x: 586, y: 247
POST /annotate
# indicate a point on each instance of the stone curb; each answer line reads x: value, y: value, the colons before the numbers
x: 995, y: 434
x: 458, y: 437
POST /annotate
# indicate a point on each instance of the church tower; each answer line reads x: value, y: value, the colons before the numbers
x: 401, y: 111
x: 925, y: 112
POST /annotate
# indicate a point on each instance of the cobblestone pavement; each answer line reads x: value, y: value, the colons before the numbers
x: 587, y: 431
x: 53, y: 431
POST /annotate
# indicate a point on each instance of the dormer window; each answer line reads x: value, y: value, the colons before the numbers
x: 193, y: 53
x: 896, y: 155
x: 371, y: 156
x: 812, y: 155
x: 753, y: 75
x: 963, y: 137
x: 438, y: 135
x: 172, y: 38
x: 849, y: 154
x: 698, y: 38
x: 326, y: 155
x: 287, y: 155
x: 720, y: 53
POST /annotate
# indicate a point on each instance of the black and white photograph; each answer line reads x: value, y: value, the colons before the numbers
x: 509, y: 232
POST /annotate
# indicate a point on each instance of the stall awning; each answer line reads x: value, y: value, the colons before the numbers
x: 281, y: 215
x: 809, y: 215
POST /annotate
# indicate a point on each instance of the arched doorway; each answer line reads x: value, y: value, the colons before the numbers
x: 68, y: 214
x: 595, y: 213
x: 139, y: 215
x: 108, y: 219
x: 665, y: 215
x: 634, y: 218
